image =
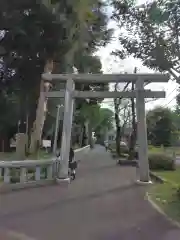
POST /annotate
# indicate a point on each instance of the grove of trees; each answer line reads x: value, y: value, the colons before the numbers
x: 150, y: 33
x: 45, y: 36
x: 161, y: 127
x: 59, y: 36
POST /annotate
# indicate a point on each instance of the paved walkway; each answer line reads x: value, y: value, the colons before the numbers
x: 103, y: 203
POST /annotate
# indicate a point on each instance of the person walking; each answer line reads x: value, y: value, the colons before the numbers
x: 72, y: 164
x: 106, y: 145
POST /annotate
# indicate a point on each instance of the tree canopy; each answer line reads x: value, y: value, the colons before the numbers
x: 34, y: 34
x: 160, y: 126
x: 150, y: 32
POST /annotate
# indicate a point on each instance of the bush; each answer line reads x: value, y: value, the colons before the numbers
x: 124, y: 147
x: 161, y: 161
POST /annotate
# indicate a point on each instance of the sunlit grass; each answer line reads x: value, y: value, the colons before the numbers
x: 172, y: 176
x: 168, y: 150
x: 166, y: 197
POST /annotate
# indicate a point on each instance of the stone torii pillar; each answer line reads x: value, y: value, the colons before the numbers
x: 66, y: 134
x: 143, y: 162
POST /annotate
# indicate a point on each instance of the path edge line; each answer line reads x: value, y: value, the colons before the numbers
x: 160, y: 211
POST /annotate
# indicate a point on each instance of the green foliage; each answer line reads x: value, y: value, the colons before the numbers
x: 161, y: 161
x: 90, y: 113
x: 106, y: 118
x: 100, y: 118
x: 87, y: 63
x: 160, y: 126
x: 33, y: 32
x: 88, y: 30
x: 150, y: 32
x: 30, y: 37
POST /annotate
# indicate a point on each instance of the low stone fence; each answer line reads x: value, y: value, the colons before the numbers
x: 31, y: 173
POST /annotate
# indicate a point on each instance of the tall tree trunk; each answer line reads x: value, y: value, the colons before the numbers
x: 81, y: 135
x: 40, y: 112
x: 132, y: 143
x: 84, y: 139
x: 90, y: 140
x: 118, y: 127
x: 4, y: 143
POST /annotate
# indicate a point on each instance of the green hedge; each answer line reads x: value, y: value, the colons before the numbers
x: 161, y: 161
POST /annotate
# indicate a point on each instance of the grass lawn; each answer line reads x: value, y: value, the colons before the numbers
x: 168, y: 150
x: 165, y: 195
x: 152, y: 149
x: 172, y: 176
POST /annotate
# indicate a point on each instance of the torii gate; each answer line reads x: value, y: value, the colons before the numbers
x: 139, y: 93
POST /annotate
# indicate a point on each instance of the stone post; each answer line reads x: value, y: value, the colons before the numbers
x: 142, y: 133
x: 66, y: 134
x: 21, y: 141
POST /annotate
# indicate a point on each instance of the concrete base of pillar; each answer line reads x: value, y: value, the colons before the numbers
x: 63, y: 181
x: 139, y: 182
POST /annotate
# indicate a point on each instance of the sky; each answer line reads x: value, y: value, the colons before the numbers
x: 111, y: 65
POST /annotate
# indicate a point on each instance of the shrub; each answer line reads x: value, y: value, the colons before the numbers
x: 124, y: 147
x: 161, y: 161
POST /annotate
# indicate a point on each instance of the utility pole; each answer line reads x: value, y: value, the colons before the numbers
x: 133, y: 136
x: 56, y: 129
x: 133, y: 105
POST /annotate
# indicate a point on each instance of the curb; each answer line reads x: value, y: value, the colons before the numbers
x: 159, y: 210
x: 162, y: 180
x: 138, y: 182
x: 156, y: 177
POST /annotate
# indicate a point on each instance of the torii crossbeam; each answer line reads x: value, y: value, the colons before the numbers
x: 140, y: 94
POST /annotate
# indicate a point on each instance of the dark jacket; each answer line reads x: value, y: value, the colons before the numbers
x: 72, y: 164
x: 71, y: 155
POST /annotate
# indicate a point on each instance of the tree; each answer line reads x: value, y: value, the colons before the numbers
x: 90, y: 113
x: 8, y: 127
x: 90, y: 31
x: 34, y: 35
x: 105, y: 123
x: 28, y: 38
x: 160, y: 126
x: 121, y: 115
x: 150, y: 32
x: 88, y: 64
x: 176, y: 121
